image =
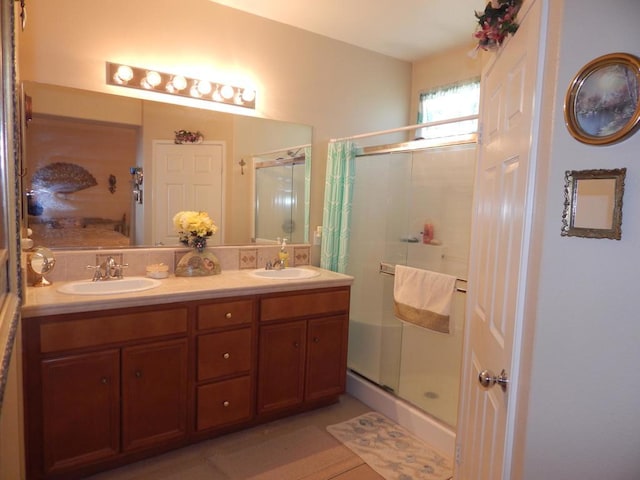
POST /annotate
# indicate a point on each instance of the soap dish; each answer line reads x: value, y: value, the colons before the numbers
x: 158, y: 270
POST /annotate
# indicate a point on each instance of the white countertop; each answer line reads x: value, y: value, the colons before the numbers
x: 48, y: 301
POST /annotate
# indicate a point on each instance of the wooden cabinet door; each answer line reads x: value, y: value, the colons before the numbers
x: 326, y: 357
x: 281, y: 366
x: 154, y: 393
x: 80, y: 409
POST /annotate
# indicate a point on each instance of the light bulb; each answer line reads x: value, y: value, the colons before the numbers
x: 151, y: 80
x: 204, y: 87
x: 227, y: 92
x: 123, y: 74
x: 178, y: 83
x: 248, y: 95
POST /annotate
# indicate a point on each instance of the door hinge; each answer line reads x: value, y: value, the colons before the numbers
x: 458, y: 454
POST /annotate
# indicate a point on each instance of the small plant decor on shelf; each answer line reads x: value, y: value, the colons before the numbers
x: 194, y: 228
x: 186, y: 136
x: 496, y: 22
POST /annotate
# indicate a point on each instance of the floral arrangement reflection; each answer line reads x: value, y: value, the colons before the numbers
x: 194, y: 228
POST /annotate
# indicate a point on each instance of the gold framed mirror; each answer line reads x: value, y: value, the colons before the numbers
x: 593, y: 203
x: 602, y: 104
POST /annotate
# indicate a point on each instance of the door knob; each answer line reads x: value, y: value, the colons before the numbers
x: 488, y: 379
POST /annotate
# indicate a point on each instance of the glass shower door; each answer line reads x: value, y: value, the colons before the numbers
x: 395, y: 195
x: 378, y: 235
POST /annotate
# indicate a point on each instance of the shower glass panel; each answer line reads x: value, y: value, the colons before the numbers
x: 395, y: 195
x: 279, y: 202
x: 379, y: 218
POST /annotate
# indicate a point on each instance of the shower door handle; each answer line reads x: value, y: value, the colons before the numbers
x: 488, y: 379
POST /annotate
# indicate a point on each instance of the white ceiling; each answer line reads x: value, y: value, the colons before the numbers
x: 404, y: 29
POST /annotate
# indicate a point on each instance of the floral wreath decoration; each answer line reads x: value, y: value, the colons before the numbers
x: 496, y: 23
x: 186, y: 136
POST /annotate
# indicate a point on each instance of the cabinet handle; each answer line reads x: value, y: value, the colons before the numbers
x: 316, y: 339
x: 138, y: 374
x: 226, y: 356
x: 225, y: 403
x: 227, y: 315
x: 296, y: 345
x: 104, y: 380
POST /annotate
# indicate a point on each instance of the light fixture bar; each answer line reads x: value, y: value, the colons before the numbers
x: 172, y: 84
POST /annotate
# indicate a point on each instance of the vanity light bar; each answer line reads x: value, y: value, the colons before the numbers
x: 154, y: 81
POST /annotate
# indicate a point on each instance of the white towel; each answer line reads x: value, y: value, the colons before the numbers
x: 423, y: 297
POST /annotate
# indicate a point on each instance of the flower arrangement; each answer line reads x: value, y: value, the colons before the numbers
x: 186, y: 136
x: 496, y: 23
x: 194, y: 228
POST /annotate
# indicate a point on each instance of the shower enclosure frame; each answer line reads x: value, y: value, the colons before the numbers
x: 361, y: 385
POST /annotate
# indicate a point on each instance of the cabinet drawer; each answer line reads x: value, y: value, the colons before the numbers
x: 305, y: 304
x: 225, y: 314
x: 90, y: 332
x: 223, y: 403
x: 224, y: 353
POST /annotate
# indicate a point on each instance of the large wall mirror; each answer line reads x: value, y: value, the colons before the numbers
x: 89, y: 170
x: 593, y: 203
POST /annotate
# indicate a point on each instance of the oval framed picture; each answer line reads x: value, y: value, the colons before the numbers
x: 602, y: 104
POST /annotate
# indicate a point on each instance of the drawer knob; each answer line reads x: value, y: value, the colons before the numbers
x: 138, y: 374
x: 296, y: 345
x: 227, y: 315
x: 316, y: 339
x: 226, y: 356
x: 104, y: 380
x: 225, y: 403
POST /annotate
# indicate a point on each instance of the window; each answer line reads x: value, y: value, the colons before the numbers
x: 448, y: 102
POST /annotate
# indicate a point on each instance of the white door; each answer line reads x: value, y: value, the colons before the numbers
x: 500, y: 235
x: 186, y: 177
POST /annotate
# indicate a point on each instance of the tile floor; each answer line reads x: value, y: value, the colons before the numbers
x: 193, y: 462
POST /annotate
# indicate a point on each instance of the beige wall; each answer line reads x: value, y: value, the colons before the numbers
x: 300, y: 77
x: 442, y: 69
x: 584, y: 388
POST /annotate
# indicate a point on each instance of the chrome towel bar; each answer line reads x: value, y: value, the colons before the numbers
x: 389, y: 269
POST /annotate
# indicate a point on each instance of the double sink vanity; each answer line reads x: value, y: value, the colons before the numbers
x: 113, y: 375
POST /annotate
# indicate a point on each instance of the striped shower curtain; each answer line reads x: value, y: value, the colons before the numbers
x: 336, y: 216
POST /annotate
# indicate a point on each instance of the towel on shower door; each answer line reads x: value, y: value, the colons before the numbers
x: 423, y: 297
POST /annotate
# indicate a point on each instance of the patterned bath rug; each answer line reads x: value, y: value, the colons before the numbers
x: 391, y: 450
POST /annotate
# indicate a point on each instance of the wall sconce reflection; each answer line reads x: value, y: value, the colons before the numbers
x: 152, y: 80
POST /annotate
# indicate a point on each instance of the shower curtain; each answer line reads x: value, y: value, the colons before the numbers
x: 336, y: 215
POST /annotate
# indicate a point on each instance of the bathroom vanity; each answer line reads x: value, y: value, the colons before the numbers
x: 110, y: 379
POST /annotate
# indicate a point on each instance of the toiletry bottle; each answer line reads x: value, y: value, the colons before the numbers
x: 427, y: 233
x: 283, y: 256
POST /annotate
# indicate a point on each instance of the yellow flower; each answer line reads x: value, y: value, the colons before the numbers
x: 193, y: 224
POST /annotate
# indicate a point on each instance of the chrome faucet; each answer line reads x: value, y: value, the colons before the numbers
x: 107, y: 270
x: 278, y: 264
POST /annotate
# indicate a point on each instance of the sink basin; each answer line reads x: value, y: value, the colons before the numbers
x: 292, y: 273
x: 109, y: 287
